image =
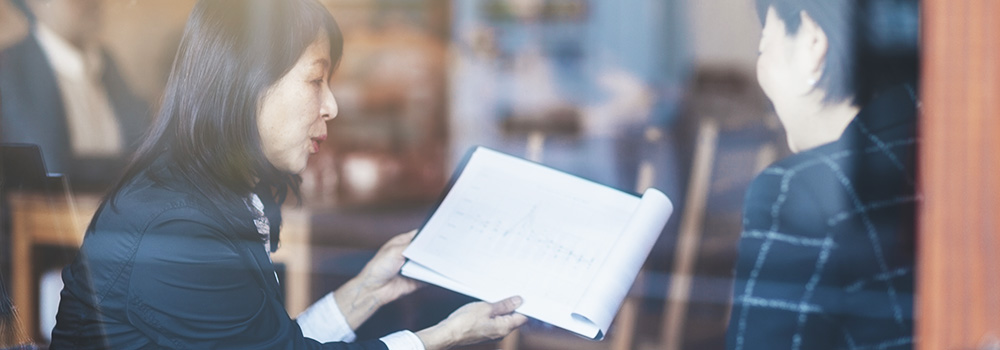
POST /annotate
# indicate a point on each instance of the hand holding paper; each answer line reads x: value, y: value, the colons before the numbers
x: 570, y: 247
x: 474, y: 322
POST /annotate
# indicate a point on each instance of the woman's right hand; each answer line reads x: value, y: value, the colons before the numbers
x: 473, y: 323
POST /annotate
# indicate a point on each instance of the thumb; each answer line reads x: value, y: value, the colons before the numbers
x: 506, y: 306
x: 401, y: 240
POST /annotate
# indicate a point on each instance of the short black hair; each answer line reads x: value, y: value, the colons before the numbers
x: 231, y: 53
x: 873, y: 44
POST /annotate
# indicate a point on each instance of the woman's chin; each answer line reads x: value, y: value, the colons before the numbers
x: 295, y: 168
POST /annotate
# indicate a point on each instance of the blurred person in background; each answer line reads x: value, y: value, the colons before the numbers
x: 178, y: 255
x: 13, y: 26
x: 62, y: 91
x: 826, y: 256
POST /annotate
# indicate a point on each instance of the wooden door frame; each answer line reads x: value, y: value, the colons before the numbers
x: 959, y: 222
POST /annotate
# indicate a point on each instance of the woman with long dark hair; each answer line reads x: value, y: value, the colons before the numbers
x: 177, y: 256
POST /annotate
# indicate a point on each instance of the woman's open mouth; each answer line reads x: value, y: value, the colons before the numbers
x: 316, y: 141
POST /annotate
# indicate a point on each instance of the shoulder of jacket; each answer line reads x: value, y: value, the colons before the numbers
x: 143, y: 203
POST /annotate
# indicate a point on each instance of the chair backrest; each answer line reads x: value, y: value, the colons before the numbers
x: 22, y: 167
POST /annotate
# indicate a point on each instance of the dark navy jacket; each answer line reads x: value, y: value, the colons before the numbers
x: 826, y: 253
x: 162, y: 269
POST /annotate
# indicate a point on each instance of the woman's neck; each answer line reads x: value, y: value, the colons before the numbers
x: 825, y: 124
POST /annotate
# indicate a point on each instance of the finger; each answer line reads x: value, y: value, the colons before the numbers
x: 504, y: 325
x: 396, y: 243
x: 410, y: 284
x: 506, y: 306
x: 515, y: 320
x: 400, y: 241
x: 394, y: 249
x: 417, y: 284
x: 404, y: 237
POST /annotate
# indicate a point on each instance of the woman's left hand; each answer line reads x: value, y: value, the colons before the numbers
x: 381, y: 274
x: 379, y: 282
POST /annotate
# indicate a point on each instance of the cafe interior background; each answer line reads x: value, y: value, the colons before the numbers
x: 628, y: 93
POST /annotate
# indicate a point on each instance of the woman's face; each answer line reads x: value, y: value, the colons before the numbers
x: 775, y: 62
x: 293, y: 115
x: 788, y: 67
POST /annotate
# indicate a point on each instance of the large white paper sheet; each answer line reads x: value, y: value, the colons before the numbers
x: 512, y: 227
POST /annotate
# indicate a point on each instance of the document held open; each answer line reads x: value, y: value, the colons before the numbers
x: 571, y: 248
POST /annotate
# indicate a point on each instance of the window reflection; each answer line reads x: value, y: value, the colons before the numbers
x: 628, y: 93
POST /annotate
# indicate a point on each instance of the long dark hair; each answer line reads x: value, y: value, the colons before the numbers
x: 232, y: 52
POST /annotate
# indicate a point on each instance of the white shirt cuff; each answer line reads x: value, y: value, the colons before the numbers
x: 402, y: 340
x: 324, y: 322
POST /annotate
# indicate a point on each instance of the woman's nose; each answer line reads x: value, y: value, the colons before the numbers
x: 329, y: 108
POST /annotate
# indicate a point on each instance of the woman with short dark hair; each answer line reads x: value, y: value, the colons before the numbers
x: 826, y: 254
x: 178, y: 255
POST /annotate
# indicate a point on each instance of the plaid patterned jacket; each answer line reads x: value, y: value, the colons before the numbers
x: 826, y: 253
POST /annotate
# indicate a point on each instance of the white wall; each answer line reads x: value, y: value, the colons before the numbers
x: 725, y: 33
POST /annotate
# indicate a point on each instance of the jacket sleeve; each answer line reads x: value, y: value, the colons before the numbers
x: 191, y: 288
x: 783, y: 291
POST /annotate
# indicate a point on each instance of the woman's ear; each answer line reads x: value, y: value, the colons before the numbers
x: 812, y: 47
